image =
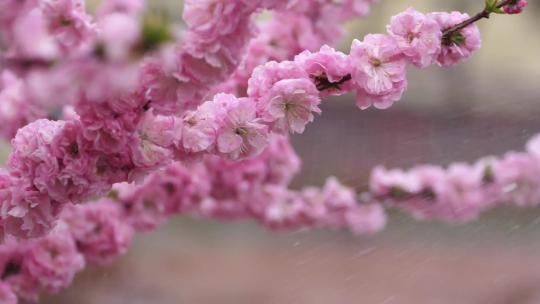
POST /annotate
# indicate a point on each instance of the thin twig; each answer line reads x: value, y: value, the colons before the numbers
x: 448, y: 33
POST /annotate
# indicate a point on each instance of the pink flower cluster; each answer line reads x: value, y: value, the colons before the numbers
x: 304, y: 25
x: 462, y: 191
x: 92, y: 233
x: 74, y: 160
x: 15, y: 111
x: 515, y: 6
x: 255, y: 188
x: 128, y: 118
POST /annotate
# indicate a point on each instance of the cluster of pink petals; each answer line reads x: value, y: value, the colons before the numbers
x: 74, y: 160
x: 461, y: 44
x: 516, y: 6
x: 462, y: 191
x: 7, y: 295
x: 379, y: 71
x: 92, y: 233
x: 98, y: 230
x: 15, y: 111
x: 253, y: 188
x: 326, y: 65
x: 303, y: 25
x: 333, y: 206
x: 44, y: 29
x: 67, y: 21
x: 135, y: 121
x: 418, y: 37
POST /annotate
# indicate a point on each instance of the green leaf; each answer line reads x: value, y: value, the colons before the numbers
x: 457, y: 38
x: 155, y: 32
x: 498, y: 10
x: 491, y: 5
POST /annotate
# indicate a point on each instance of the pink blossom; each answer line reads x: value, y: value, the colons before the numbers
x: 119, y: 33
x: 147, y: 155
x: 265, y: 76
x: 241, y: 134
x: 236, y: 185
x: 106, y: 128
x: 384, y: 181
x: 327, y: 68
x: 457, y: 194
x: 102, y: 81
x: 52, y: 88
x: 77, y: 179
x: 336, y: 206
x: 518, y: 176
x: 289, y: 105
x: 16, y: 110
x: 168, y: 91
x: 282, y: 162
x: 289, y: 33
x: 236, y: 180
x: 284, y: 210
x: 516, y: 7
x: 156, y: 137
x: 53, y: 260
x: 378, y: 71
x: 212, y: 17
x: 466, y: 197
x: 533, y: 146
x: 7, y: 295
x: 98, y: 230
x: 354, y: 8
x: 68, y: 21
x: 460, y: 45
x: 164, y: 131
x: 26, y: 212
x: 31, y: 39
x: 366, y: 219
x: 145, y: 206
x: 199, y: 132
x: 14, y: 273
x: 418, y: 37
x: 31, y: 155
x: 172, y: 190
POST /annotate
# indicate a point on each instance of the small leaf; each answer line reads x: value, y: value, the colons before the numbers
x: 457, y: 38
x: 155, y: 32
x: 498, y: 10
x: 491, y: 5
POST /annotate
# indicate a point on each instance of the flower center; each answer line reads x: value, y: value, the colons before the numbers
x: 288, y: 106
x: 410, y: 37
x: 73, y: 149
x: 64, y: 21
x: 376, y: 62
x: 240, y: 131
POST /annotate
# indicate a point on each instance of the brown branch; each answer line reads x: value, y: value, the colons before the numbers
x: 448, y: 33
x: 323, y: 83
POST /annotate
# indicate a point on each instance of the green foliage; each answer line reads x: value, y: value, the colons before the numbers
x: 492, y: 6
x: 155, y: 32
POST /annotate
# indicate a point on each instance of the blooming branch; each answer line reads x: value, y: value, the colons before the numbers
x: 195, y: 129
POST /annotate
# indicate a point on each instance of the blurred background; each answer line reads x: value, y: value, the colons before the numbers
x: 487, y: 106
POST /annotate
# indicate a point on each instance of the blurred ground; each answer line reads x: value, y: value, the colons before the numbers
x: 493, y: 261
x: 487, y: 106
